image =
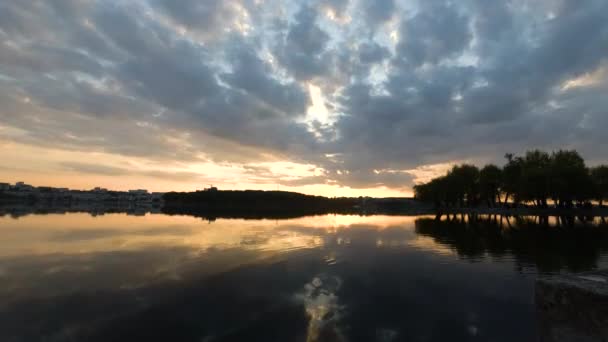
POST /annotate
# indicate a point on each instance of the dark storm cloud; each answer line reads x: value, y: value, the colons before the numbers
x: 466, y: 79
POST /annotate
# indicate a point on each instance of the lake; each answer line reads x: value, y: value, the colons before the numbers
x: 115, y: 277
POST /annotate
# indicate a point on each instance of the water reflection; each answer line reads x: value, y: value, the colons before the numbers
x: 20, y: 209
x: 323, y: 308
x: 536, y: 243
x: 323, y: 278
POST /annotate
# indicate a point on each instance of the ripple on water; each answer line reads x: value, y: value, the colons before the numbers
x: 330, y: 260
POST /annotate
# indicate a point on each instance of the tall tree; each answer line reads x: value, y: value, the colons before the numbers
x: 464, y: 180
x: 599, y: 177
x: 569, y: 178
x: 511, y: 177
x: 535, y: 177
x: 490, y: 179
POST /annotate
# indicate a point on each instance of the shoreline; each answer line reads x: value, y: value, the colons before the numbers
x: 17, y: 209
x: 595, y: 211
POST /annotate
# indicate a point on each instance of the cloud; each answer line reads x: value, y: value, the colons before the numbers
x: 405, y: 84
x: 461, y: 106
x: 253, y: 76
x: 378, y: 12
x: 372, y: 53
x: 107, y: 170
x: 302, y: 48
x: 437, y: 32
x: 205, y: 16
x: 106, y: 233
x: 94, y: 168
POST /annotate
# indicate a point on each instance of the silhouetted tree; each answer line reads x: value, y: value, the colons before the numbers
x: 511, y: 177
x: 599, y: 177
x: 433, y: 191
x: 569, y: 178
x: 535, y: 178
x: 490, y: 180
x: 534, y: 184
x: 463, y: 180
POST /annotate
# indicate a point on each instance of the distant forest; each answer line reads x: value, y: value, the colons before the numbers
x: 253, y: 203
x: 535, y: 179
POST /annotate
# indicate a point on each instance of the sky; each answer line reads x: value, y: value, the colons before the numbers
x: 327, y: 97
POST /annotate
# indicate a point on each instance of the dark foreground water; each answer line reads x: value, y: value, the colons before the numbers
x: 115, y: 277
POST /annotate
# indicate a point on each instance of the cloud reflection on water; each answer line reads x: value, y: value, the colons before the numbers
x: 327, y: 278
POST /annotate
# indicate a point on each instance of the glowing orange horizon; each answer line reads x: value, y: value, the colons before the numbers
x: 48, y: 169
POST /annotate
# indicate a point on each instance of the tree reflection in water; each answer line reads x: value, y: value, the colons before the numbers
x: 550, y: 243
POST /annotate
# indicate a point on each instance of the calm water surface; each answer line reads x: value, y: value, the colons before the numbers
x: 115, y: 277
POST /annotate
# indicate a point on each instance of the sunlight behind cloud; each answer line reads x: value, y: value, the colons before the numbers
x: 318, y: 110
x: 587, y: 80
x: 425, y: 173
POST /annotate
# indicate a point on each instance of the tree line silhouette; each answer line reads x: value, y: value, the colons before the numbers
x: 253, y: 204
x: 535, y: 178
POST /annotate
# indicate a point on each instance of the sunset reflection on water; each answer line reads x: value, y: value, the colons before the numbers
x: 81, y: 233
x: 318, y: 278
